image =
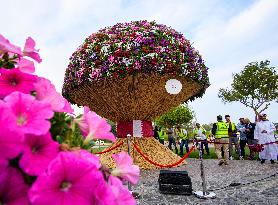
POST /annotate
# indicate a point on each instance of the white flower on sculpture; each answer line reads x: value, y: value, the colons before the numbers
x: 173, y: 86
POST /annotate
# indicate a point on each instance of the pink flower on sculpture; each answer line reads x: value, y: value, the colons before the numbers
x: 121, y: 193
x: 38, y: 151
x: 29, y: 50
x: 31, y: 116
x: 46, y: 92
x: 15, y: 80
x: 10, y: 139
x: 6, y: 46
x: 93, y: 126
x: 69, y: 179
x: 25, y: 65
x: 125, y: 168
x: 13, y: 190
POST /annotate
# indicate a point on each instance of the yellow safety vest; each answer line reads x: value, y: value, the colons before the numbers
x: 182, y: 135
x: 161, y: 134
x: 233, y: 126
x: 222, y: 130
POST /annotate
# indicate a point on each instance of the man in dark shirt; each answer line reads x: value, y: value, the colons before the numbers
x: 250, y: 127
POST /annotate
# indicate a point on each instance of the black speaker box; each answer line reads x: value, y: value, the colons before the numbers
x: 174, y: 182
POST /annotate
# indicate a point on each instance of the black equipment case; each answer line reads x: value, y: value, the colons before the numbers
x: 174, y: 182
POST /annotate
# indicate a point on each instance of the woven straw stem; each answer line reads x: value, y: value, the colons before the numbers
x: 140, y: 97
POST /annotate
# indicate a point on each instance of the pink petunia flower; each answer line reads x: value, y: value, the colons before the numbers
x: 10, y: 139
x: 6, y: 46
x: 46, y: 92
x: 93, y: 126
x: 13, y: 190
x: 121, y: 193
x: 125, y: 168
x: 25, y: 65
x: 69, y: 179
x: 32, y: 116
x: 89, y: 157
x: 38, y: 151
x: 30, y: 51
x: 15, y: 80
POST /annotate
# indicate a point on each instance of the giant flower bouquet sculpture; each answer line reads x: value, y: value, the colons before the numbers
x: 132, y: 73
x: 35, y: 168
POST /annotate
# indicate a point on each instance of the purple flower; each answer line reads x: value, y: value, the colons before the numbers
x: 125, y: 168
x: 38, y: 151
x: 6, y: 46
x: 93, y: 126
x: 10, y: 139
x: 30, y: 51
x: 121, y: 193
x: 70, y: 179
x: 25, y: 65
x: 46, y: 93
x: 13, y: 190
x: 31, y: 116
x: 15, y: 80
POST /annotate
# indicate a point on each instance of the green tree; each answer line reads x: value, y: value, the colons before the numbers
x: 180, y: 115
x: 207, y: 127
x: 255, y: 87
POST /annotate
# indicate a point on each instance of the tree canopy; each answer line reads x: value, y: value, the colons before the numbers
x: 180, y: 115
x: 255, y: 87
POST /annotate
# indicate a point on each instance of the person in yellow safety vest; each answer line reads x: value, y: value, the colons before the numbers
x: 182, y: 133
x: 161, y: 134
x: 200, y: 133
x: 220, y: 132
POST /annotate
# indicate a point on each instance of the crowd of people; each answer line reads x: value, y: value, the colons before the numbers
x: 226, y: 137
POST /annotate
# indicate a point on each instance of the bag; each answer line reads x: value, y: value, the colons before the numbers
x: 174, y: 182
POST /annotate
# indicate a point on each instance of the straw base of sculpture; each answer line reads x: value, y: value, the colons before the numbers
x: 149, y: 146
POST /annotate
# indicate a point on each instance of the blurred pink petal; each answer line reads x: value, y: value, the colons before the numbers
x: 25, y: 65
x: 46, y: 92
x: 38, y: 151
x: 6, y: 47
x: 30, y: 51
x: 13, y: 190
x: 10, y: 139
x: 93, y: 126
x: 15, y: 80
x: 121, y: 193
x: 69, y: 179
x: 125, y: 168
x: 67, y: 107
x: 32, y: 116
x: 92, y: 159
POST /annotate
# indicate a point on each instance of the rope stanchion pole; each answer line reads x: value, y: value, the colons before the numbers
x: 204, y: 194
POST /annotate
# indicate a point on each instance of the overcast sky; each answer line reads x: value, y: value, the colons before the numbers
x: 228, y: 33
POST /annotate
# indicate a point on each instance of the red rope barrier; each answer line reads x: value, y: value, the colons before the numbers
x: 162, y: 165
x: 110, y: 149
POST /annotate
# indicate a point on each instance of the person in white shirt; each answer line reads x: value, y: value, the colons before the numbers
x: 264, y: 133
x: 200, y: 134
